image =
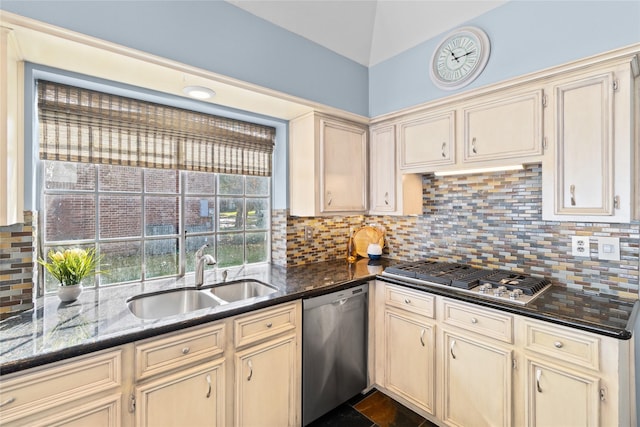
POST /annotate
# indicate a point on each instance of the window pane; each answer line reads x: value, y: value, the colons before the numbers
x: 161, y: 258
x: 69, y: 176
x: 161, y: 181
x: 257, y: 186
x: 257, y: 247
x: 120, y: 178
x: 199, y: 214
x: 257, y: 214
x: 120, y: 216
x: 231, y: 214
x: 193, y: 244
x: 230, y: 184
x: 50, y: 283
x: 230, y: 250
x: 122, y: 262
x: 70, y: 217
x: 200, y: 183
x: 161, y: 215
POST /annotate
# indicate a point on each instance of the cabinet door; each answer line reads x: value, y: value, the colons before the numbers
x: 266, y: 378
x: 584, y: 146
x: 193, y: 397
x: 427, y: 142
x: 409, y: 358
x: 560, y: 398
x: 382, y: 170
x: 343, y: 149
x: 477, y: 383
x: 503, y: 128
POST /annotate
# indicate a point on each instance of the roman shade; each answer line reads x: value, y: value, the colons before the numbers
x: 81, y: 125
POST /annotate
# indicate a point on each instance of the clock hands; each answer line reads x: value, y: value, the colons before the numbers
x: 458, y: 57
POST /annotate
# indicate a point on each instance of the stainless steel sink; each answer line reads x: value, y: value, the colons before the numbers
x: 170, y: 303
x: 186, y: 300
x: 241, y: 290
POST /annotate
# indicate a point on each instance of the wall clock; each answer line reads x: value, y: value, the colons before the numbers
x: 459, y: 58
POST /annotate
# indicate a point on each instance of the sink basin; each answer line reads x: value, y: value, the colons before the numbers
x: 171, y: 302
x: 241, y: 290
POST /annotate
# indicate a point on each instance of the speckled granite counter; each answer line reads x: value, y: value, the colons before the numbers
x: 100, y: 319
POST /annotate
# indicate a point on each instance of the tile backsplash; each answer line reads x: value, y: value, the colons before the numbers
x: 16, y: 267
x: 490, y: 220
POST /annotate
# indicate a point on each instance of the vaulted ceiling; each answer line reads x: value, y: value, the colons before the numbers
x: 368, y: 31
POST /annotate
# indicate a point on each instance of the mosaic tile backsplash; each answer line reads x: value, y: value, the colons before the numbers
x: 16, y: 267
x: 490, y: 220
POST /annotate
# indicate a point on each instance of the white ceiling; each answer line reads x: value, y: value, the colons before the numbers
x: 367, y: 31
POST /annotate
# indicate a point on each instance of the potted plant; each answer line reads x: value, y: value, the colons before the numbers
x: 70, y: 267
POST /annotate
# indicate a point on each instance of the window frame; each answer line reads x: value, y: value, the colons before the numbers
x: 181, y: 236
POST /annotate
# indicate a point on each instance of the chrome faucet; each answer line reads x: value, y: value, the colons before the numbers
x: 201, y: 260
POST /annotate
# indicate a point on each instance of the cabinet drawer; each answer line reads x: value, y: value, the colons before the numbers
x: 480, y: 320
x: 158, y: 355
x: 264, y: 324
x: 50, y: 387
x: 406, y: 299
x: 576, y: 348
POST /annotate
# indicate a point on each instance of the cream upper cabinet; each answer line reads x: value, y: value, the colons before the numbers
x: 591, y: 127
x: 390, y: 192
x: 327, y: 166
x: 427, y: 141
x: 503, y: 126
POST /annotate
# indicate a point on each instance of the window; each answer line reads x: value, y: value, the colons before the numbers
x: 148, y: 223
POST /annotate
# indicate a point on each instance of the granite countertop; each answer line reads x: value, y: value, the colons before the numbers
x: 100, y: 319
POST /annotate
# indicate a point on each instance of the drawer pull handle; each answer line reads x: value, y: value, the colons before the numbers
x: 558, y: 344
x: 269, y: 325
x: 453, y: 343
x: 407, y: 301
x: 329, y: 198
x: 209, y: 384
x: 186, y: 350
x: 572, y: 191
x: 386, y: 198
x: 444, y: 148
x: 538, y: 375
x: 250, y: 369
x: 473, y: 146
x: 8, y: 401
x: 422, y: 336
x: 474, y: 320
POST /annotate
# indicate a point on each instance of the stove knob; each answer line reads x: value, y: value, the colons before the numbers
x: 513, y: 295
x: 500, y: 290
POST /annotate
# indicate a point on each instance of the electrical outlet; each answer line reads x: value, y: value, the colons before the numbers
x: 609, y: 248
x: 580, y: 246
x: 308, y: 233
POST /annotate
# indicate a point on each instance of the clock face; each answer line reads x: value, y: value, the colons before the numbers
x: 460, y: 58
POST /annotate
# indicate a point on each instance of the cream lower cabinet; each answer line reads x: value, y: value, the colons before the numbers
x: 86, y: 390
x: 477, y: 385
x: 268, y: 367
x: 488, y: 367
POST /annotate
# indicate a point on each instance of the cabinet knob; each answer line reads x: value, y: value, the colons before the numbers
x: 269, y: 325
x: 407, y: 301
x: 186, y: 350
x: 474, y: 320
x: 558, y: 344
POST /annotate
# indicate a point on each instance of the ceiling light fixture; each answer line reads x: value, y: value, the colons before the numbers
x: 479, y: 170
x: 199, y: 92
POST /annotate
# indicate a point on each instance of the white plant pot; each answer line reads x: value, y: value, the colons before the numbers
x: 69, y: 293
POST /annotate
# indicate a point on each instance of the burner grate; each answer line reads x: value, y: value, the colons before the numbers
x: 529, y: 285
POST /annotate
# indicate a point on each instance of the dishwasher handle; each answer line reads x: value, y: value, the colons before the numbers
x: 336, y: 298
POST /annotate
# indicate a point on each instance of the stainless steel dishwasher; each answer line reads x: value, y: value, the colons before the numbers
x: 334, y: 350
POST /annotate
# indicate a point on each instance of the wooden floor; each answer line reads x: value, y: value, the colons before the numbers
x: 371, y: 410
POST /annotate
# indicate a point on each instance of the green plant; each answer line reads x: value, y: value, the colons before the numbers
x: 72, y: 265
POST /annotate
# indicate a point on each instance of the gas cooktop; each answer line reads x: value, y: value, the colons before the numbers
x: 496, y: 284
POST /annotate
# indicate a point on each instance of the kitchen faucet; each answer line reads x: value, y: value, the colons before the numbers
x: 201, y: 260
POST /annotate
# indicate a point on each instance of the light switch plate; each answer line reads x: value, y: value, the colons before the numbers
x: 609, y: 248
x: 580, y: 246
